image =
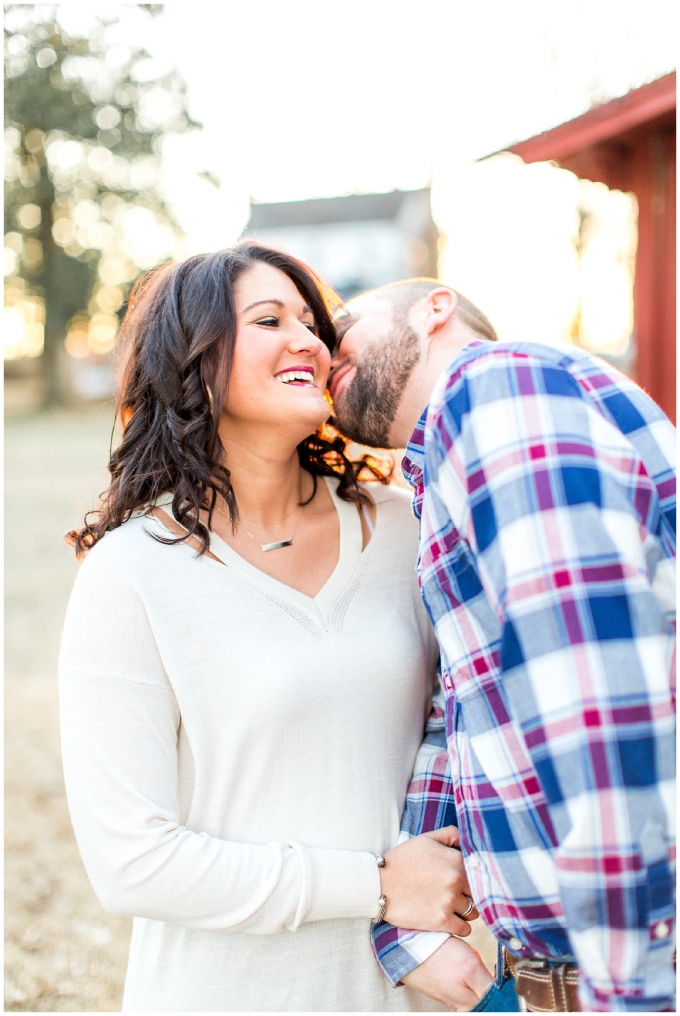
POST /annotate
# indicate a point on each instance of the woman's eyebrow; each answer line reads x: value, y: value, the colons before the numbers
x: 279, y: 303
x: 256, y: 303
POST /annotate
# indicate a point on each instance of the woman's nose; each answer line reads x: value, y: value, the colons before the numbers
x: 304, y: 340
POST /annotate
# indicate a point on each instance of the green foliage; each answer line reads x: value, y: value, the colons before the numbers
x: 85, y: 113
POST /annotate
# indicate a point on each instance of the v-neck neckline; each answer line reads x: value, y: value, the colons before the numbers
x: 316, y: 608
x: 348, y: 559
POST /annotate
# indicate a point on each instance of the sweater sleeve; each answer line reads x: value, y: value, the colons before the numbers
x: 120, y: 722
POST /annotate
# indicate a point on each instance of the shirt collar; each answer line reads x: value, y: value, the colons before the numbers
x: 413, y: 462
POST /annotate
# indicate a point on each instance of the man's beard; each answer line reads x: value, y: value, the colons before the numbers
x: 367, y: 408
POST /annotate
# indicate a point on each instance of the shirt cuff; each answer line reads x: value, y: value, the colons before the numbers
x: 422, y: 945
x: 419, y: 948
x: 342, y: 884
x: 399, y: 952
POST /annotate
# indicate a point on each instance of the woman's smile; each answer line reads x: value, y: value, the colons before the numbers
x: 297, y: 376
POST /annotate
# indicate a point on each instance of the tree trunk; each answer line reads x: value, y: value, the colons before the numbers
x: 58, y: 390
x: 66, y: 284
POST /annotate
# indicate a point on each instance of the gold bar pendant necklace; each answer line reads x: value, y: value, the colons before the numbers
x: 278, y: 544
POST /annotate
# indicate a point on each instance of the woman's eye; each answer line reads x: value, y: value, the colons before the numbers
x: 273, y: 322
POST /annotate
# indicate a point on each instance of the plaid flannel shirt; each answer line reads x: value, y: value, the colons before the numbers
x: 544, y: 485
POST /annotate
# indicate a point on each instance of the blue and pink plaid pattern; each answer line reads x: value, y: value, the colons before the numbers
x: 545, y: 486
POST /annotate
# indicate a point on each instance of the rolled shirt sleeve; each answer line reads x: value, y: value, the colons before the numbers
x: 429, y: 805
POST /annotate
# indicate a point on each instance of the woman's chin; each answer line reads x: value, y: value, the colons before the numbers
x: 314, y: 420
x: 297, y: 415
x: 299, y: 421
x: 314, y: 408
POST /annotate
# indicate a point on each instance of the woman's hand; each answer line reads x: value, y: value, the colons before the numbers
x: 454, y: 975
x: 425, y: 884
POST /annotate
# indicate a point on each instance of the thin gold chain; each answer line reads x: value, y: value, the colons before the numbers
x: 288, y: 541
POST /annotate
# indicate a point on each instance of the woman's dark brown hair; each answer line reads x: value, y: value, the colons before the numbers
x: 178, y: 335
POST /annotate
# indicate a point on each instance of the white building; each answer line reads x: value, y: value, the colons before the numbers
x: 356, y: 242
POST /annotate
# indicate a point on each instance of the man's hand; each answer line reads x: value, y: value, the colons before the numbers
x: 454, y: 975
x: 425, y: 884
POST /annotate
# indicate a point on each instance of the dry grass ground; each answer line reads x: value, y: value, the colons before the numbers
x: 63, y: 952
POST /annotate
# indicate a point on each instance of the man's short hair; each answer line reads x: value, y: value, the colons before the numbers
x: 404, y: 294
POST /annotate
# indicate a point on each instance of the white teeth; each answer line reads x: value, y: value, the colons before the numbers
x: 297, y: 375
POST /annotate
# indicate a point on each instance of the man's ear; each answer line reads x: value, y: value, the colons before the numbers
x: 441, y: 305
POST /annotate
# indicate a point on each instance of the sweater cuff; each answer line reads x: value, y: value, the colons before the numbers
x: 343, y: 883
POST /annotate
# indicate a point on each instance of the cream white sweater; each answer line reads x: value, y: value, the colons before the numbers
x: 233, y: 751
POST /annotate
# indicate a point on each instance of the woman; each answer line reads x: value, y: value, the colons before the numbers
x: 246, y: 664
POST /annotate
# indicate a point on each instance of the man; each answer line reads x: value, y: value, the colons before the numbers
x: 544, y: 485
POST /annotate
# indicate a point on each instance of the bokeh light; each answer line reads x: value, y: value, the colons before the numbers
x: 85, y: 206
x: 607, y: 269
x: 547, y: 256
x: 23, y: 324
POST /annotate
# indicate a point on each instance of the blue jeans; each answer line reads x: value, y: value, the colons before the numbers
x: 501, y: 996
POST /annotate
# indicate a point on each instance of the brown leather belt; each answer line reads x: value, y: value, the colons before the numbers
x: 543, y: 987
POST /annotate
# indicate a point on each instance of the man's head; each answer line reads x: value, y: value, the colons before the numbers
x: 393, y: 344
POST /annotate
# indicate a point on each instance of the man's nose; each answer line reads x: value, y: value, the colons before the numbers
x: 338, y: 358
x: 340, y: 353
x: 343, y: 345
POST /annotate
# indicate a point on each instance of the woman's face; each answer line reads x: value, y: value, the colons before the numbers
x: 280, y: 366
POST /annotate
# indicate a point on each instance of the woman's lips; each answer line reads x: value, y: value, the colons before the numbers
x: 298, y: 376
